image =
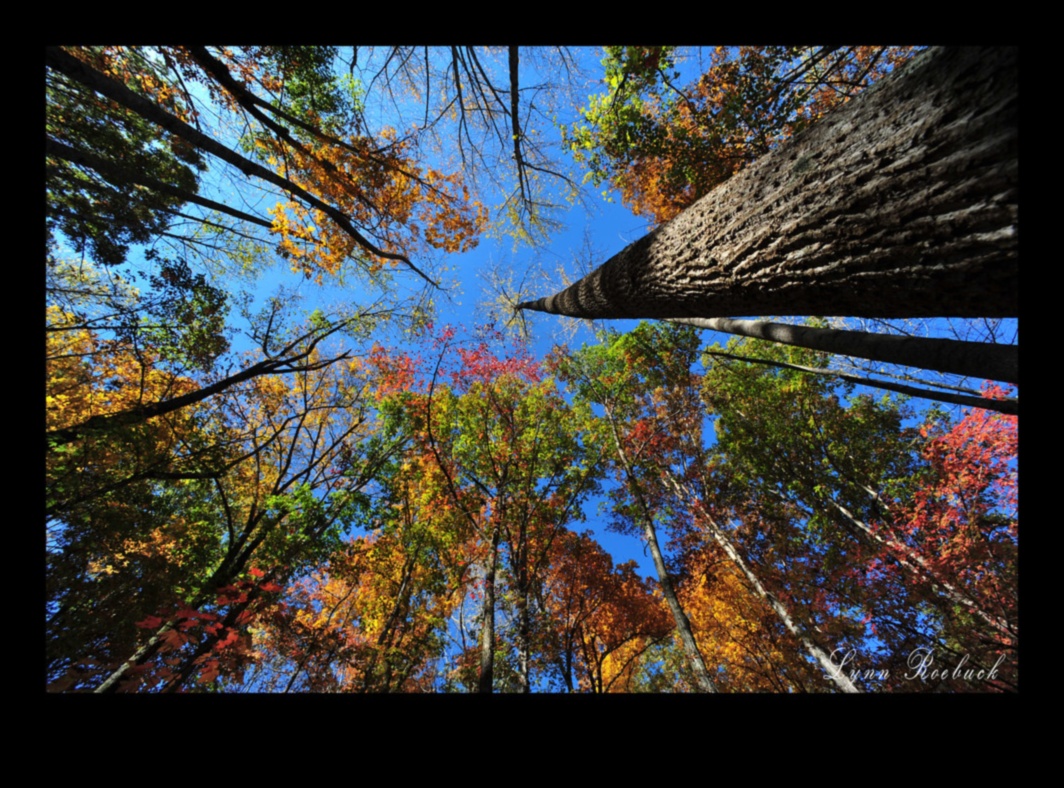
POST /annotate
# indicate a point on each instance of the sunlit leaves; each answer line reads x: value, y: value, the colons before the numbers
x: 408, y: 209
x: 664, y: 145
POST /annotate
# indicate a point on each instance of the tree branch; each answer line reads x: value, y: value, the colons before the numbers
x: 77, y: 70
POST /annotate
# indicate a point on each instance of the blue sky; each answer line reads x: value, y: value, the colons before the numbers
x: 591, y: 232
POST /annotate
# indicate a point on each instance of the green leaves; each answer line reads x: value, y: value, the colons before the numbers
x: 98, y: 158
x: 664, y: 145
x: 186, y: 319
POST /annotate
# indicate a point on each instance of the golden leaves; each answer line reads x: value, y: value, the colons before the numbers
x: 88, y: 376
x: 730, y: 624
x: 404, y: 208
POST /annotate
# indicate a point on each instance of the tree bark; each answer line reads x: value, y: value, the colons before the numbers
x: 975, y: 359
x: 486, y: 676
x: 694, y: 656
x: 902, y: 203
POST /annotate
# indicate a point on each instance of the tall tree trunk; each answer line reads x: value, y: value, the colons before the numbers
x: 971, y: 359
x: 524, y: 623
x: 485, y: 680
x: 683, y: 624
x: 902, y: 203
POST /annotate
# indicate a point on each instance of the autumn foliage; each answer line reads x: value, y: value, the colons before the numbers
x: 410, y: 210
x: 429, y: 546
x: 360, y: 500
x: 664, y: 145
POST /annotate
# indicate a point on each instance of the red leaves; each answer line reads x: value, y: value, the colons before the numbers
x: 974, y: 466
x: 232, y: 595
x: 480, y: 364
x: 210, y: 671
x: 222, y: 632
x: 173, y: 639
x: 964, y: 518
x: 228, y: 640
x: 396, y: 372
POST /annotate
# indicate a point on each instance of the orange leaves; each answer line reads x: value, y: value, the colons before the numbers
x: 89, y: 376
x: 664, y: 146
x: 603, y: 616
x: 366, y: 621
x: 405, y: 208
x: 351, y: 195
x: 734, y: 627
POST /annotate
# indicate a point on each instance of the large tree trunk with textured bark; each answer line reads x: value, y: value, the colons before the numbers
x: 902, y: 203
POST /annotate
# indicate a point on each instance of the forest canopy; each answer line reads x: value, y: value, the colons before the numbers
x: 282, y: 455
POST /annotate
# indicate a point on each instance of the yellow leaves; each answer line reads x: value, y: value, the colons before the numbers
x: 370, y: 610
x: 88, y: 376
x: 727, y: 621
x: 619, y: 666
x: 159, y: 544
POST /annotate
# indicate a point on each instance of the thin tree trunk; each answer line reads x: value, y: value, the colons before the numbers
x: 830, y: 668
x: 970, y: 359
x: 145, y: 652
x: 486, y: 678
x: 1010, y: 405
x: 910, y: 559
x: 119, y: 175
x: 524, y: 631
x: 384, y: 639
x: 683, y: 624
x: 902, y: 203
x: 918, y: 565
x: 232, y: 564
